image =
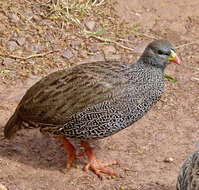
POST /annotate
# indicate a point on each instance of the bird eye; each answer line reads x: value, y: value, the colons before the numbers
x: 160, y: 52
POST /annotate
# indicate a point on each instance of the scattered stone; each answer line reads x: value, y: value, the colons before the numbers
x: 21, y: 41
x: 34, y: 47
x: 131, y: 37
x: 75, y: 44
x: 83, y: 53
x: 168, y: 159
x: 67, y: 54
x: 90, y: 25
x: 50, y: 158
x: 36, y: 8
x: 197, y: 144
x: 2, y: 187
x: 95, y: 48
x: 99, y: 29
x: 19, y: 52
x: 48, y: 37
x: 13, y: 18
x: 1, y: 39
x: 7, y: 61
x: 140, y: 48
x: 31, y: 62
x: 28, y: 13
x: 109, y: 50
x: 12, y: 45
x: 17, y: 148
x: 96, y: 58
x: 116, y: 57
x: 160, y: 138
x: 36, y: 18
x: 2, y: 26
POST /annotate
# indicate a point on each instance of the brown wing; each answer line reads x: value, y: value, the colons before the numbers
x: 55, y: 98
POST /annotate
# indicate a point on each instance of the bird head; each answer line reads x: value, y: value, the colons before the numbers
x: 160, y: 53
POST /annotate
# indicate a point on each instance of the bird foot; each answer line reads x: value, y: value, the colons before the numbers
x: 98, y: 169
x: 94, y: 164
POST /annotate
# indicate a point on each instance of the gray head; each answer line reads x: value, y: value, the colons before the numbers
x: 160, y: 53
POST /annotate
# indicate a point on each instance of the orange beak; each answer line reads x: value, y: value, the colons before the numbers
x: 174, y: 58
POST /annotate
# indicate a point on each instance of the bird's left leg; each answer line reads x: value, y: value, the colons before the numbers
x: 94, y: 164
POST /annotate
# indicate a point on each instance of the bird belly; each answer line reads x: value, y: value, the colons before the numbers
x: 106, y: 118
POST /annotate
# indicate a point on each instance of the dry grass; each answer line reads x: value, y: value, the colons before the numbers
x: 64, y: 21
x: 76, y: 13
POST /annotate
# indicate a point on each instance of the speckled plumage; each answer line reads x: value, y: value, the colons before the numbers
x: 188, y: 178
x: 94, y: 100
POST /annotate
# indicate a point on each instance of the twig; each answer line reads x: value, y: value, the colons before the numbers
x: 187, y: 44
x: 112, y: 41
x: 107, y: 40
x: 145, y: 35
x: 193, y: 78
x: 30, y: 56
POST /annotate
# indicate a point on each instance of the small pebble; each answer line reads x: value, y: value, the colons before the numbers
x: 168, y: 159
x: 34, y: 47
x: 116, y: 57
x: 1, y: 39
x: 36, y: 8
x: 96, y: 58
x: 7, y: 61
x: 12, y: 45
x: 109, y: 50
x: 83, y: 53
x: 21, y: 41
x: 2, y: 187
x: 90, y: 25
x: 36, y: 18
x: 13, y: 18
x: 75, y: 44
x: 197, y: 144
x: 95, y: 48
x: 131, y: 37
x: 50, y: 158
x: 67, y: 54
x: 28, y: 13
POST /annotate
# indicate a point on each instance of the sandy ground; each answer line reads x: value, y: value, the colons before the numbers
x: 169, y: 130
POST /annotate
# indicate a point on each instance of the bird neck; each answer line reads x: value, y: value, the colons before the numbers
x: 144, y: 72
x: 151, y: 63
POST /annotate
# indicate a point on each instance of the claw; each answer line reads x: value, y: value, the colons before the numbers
x: 94, y: 164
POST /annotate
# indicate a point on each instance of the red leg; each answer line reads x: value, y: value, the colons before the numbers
x: 93, y: 163
x: 70, y: 149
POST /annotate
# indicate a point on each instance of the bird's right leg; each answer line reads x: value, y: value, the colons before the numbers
x: 70, y: 149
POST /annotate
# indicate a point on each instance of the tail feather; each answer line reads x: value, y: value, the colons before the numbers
x: 12, y: 126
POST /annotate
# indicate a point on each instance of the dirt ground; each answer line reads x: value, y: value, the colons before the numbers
x: 33, y: 161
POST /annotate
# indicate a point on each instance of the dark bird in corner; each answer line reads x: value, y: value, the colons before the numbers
x: 188, y: 178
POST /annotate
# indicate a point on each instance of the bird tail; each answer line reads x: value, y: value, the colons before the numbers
x: 12, y: 126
